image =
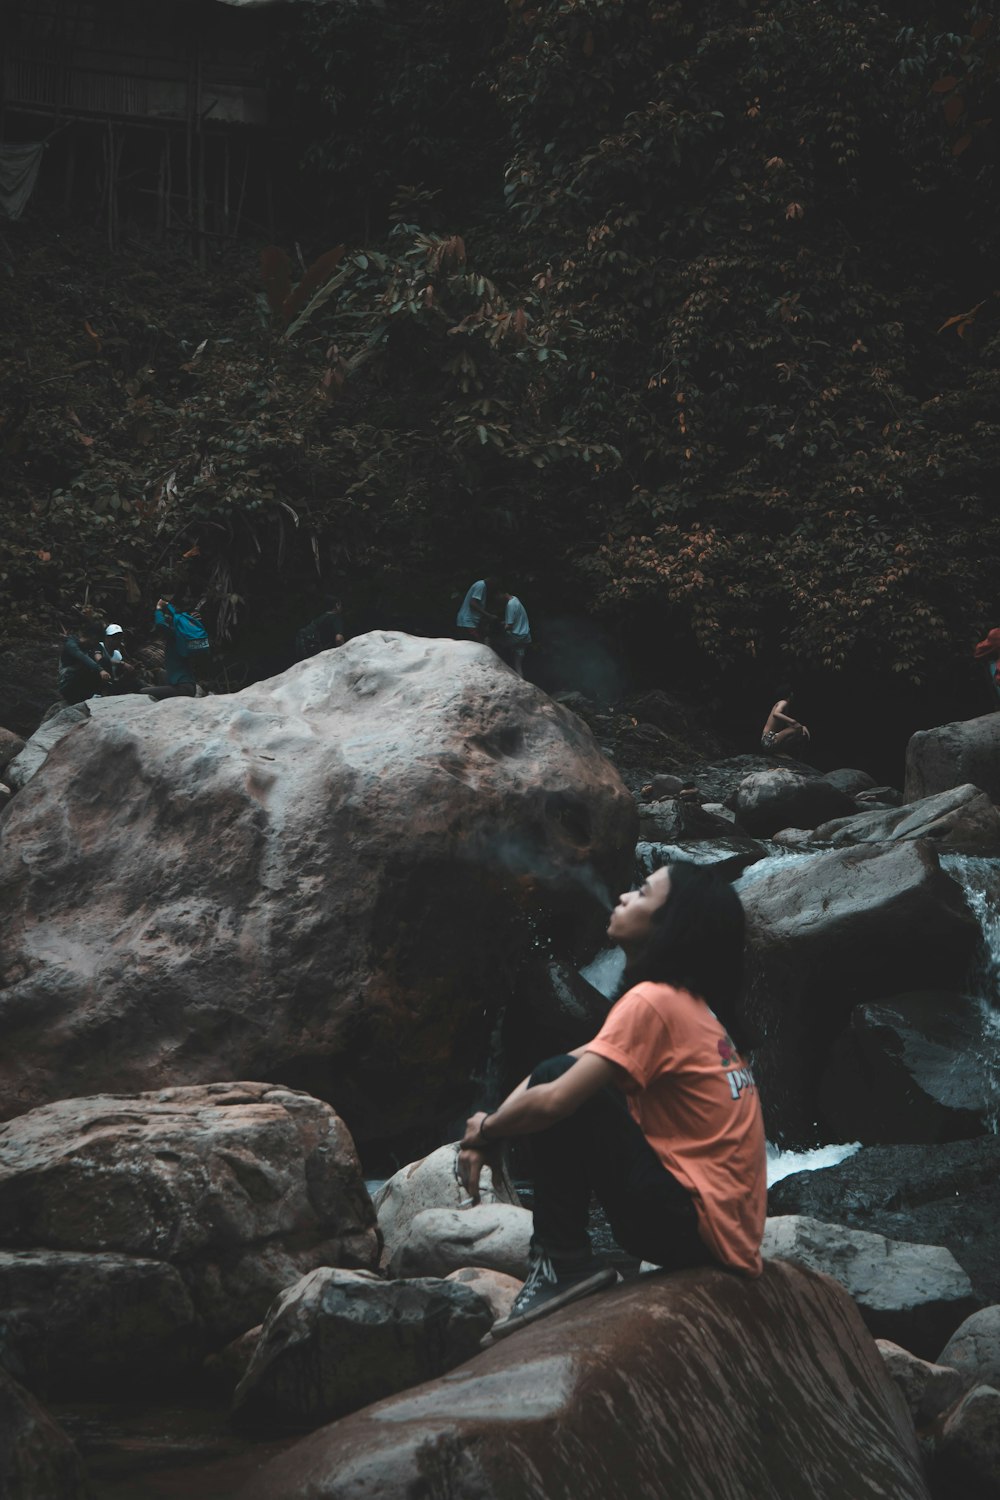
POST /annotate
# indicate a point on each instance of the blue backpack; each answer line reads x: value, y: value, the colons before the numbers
x: 189, y: 633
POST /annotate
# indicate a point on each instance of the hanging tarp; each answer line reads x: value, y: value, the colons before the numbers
x: 18, y: 175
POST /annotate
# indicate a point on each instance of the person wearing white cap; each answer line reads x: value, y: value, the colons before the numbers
x: 124, y: 675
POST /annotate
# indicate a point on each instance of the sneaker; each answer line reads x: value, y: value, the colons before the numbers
x: 552, y: 1284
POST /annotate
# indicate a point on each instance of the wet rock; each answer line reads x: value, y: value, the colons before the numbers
x: 829, y: 931
x: 431, y: 1183
x: 663, y: 785
x: 879, y: 796
x: 442, y: 1240
x: 276, y: 868
x: 928, y: 1389
x: 674, y: 819
x: 156, y: 1227
x: 974, y: 1348
x: 894, y: 1075
x: 848, y: 780
x: 960, y: 820
x: 339, y: 1340
x: 783, y: 798
x: 966, y: 1460
x: 937, y: 1195
x: 10, y: 745
x: 793, y: 838
x: 37, y: 1459
x: 908, y: 1293
x: 729, y: 855
x: 953, y: 755
x: 621, y: 1395
x: 496, y: 1289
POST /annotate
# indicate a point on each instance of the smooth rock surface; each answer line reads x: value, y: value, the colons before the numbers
x: 37, y: 1459
x: 431, y: 1183
x: 919, y: 1067
x: 961, y: 820
x: 952, y: 754
x: 783, y: 798
x: 974, y: 1348
x: 496, y: 1289
x: 668, y: 821
x: 928, y: 1389
x: 906, y: 1293
x: 966, y: 1461
x: 728, y: 853
x: 331, y: 879
x: 933, y: 1195
x: 238, y: 1188
x: 697, y: 1386
x: 441, y: 1240
x: 850, y: 780
x: 339, y: 1340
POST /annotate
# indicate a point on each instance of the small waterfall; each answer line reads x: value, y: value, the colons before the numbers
x: 979, y: 879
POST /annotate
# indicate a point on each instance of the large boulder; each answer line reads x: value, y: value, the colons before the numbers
x: 696, y: 1384
x: 953, y: 754
x: 910, y: 1294
x: 896, y: 1076
x: 974, y: 1348
x: 10, y: 745
x: 332, y: 879
x: 140, y: 1232
x: 784, y: 798
x: 672, y: 819
x: 37, y: 1459
x: 962, y: 819
x: 441, y: 1240
x: 829, y: 931
x: 934, y: 1195
x: 339, y: 1340
x: 729, y: 854
x: 848, y: 779
x: 927, y: 1388
x: 966, y: 1458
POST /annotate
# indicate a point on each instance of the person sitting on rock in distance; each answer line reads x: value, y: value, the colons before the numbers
x: 516, y: 632
x: 83, y: 673
x: 988, y: 651
x: 323, y: 633
x: 125, y: 676
x: 474, y: 616
x: 658, y: 1115
x: 181, y: 681
x: 782, y: 732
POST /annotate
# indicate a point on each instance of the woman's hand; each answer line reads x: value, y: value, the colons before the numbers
x: 472, y: 1155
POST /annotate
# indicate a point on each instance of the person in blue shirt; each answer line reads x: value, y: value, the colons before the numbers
x: 516, y: 632
x: 181, y: 682
x: 474, y: 618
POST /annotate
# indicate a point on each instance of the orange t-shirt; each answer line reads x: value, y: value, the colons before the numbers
x: 696, y: 1103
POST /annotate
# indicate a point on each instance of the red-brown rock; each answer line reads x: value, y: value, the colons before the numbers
x: 688, y: 1386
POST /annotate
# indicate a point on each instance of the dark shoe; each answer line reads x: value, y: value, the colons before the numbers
x: 552, y: 1284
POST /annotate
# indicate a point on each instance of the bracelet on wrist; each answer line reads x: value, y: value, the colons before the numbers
x: 482, y: 1130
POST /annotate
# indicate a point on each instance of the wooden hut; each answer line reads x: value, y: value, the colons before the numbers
x: 156, y: 111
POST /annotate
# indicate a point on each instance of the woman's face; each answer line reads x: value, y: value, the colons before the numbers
x: 631, y: 919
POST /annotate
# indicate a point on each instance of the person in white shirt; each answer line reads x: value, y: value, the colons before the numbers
x: 474, y: 617
x: 517, y: 632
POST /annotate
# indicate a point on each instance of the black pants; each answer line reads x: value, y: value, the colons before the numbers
x: 601, y: 1149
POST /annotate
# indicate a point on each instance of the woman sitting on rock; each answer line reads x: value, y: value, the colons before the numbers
x: 988, y: 651
x: 658, y: 1115
x: 782, y: 732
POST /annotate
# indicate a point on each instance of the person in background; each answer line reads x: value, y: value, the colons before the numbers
x: 474, y: 617
x: 125, y: 677
x: 516, y: 632
x: 988, y: 652
x: 83, y: 671
x: 658, y: 1116
x: 323, y: 633
x: 781, y: 731
x: 181, y: 681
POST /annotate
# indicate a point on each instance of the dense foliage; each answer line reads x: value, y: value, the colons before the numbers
x: 682, y: 313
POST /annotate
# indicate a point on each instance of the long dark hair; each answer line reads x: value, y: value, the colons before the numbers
x: 696, y: 943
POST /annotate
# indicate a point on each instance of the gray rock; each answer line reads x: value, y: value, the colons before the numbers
x: 37, y: 1459
x: 879, y: 796
x: 10, y: 745
x: 961, y: 820
x: 936, y: 1195
x: 431, y: 1183
x: 829, y: 931
x: 339, y: 1340
x: 849, y: 780
x: 730, y: 856
x: 907, y: 1293
x: 276, y: 868
x: 496, y: 1289
x: 928, y: 1389
x: 784, y: 798
x: 966, y: 1459
x: 689, y: 1385
x: 895, y: 1076
x: 28, y: 761
x: 232, y: 1191
x: 953, y: 755
x: 442, y: 1240
x: 974, y: 1348
x: 672, y: 819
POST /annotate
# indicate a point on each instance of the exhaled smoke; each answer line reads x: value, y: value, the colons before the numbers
x: 527, y: 861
